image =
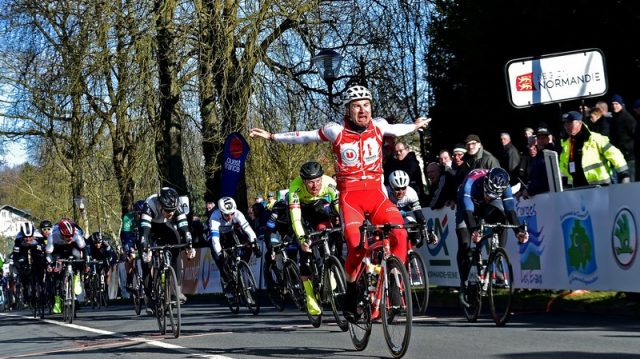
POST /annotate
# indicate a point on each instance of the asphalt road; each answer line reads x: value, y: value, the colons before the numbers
x: 210, y: 331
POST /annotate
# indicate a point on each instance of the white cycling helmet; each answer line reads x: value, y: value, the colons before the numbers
x: 227, y: 205
x: 398, y: 179
x: 355, y: 93
x: 27, y: 229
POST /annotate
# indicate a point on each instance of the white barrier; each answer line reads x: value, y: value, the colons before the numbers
x: 578, y: 239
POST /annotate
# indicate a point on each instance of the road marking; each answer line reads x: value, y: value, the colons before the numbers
x: 153, y: 342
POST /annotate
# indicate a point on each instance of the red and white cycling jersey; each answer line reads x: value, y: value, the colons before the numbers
x: 358, y: 155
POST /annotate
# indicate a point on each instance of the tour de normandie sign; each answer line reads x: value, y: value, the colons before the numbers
x: 556, y: 77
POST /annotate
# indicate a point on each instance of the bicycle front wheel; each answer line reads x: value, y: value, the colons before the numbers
x: 274, y: 279
x: 69, y: 300
x: 249, y: 288
x: 136, y: 293
x: 335, y: 286
x: 419, y: 280
x: 360, y: 331
x: 500, y: 289
x: 159, y: 301
x: 472, y: 293
x: 172, y: 301
x: 396, y: 309
x: 294, y: 285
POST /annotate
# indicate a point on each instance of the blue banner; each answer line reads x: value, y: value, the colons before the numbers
x: 235, y: 154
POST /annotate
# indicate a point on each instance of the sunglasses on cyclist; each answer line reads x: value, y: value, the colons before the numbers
x: 400, y: 189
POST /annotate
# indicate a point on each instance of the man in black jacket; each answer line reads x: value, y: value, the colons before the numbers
x: 623, y: 128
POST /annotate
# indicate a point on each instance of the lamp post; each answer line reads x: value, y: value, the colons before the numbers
x: 81, y: 204
x: 327, y: 62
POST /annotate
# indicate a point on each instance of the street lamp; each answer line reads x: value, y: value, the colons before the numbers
x: 327, y: 62
x: 81, y: 204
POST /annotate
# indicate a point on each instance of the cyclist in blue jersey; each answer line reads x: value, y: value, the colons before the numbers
x: 483, y: 195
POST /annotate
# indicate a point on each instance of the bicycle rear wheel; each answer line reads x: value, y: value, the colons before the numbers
x: 472, y: 294
x: 360, y: 331
x: 172, y: 301
x: 419, y: 280
x: 293, y: 283
x: 500, y: 288
x: 248, y: 286
x: 335, y: 286
x: 275, y: 281
x: 396, y: 309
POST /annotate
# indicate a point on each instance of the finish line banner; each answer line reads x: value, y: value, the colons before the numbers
x: 236, y: 150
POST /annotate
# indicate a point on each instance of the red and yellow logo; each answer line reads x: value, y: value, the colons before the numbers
x: 525, y: 82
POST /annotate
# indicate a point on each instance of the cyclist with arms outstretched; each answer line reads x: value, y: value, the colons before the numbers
x: 357, y: 146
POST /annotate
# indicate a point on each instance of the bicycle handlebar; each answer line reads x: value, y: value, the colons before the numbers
x: 317, y: 236
x: 167, y: 246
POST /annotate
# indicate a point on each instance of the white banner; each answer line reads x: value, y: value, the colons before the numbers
x: 556, y: 77
x: 578, y: 239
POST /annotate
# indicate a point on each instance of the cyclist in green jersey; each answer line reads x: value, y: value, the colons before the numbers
x: 313, y: 206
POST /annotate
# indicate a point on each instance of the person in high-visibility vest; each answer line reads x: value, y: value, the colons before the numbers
x: 587, y: 157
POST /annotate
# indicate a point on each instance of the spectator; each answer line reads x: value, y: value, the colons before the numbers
x: 598, y: 122
x: 545, y: 139
x: 271, y: 200
x: 533, y: 170
x: 528, y: 132
x: 260, y: 199
x: 525, y: 167
x: 623, y: 127
x: 636, y: 135
x: 602, y: 105
x: 444, y: 158
x: 442, y: 187
x: 510, y: 158
x: 581, y: 161
x: 459, y: 165
x: 406, y: 160
x: 477, y: 156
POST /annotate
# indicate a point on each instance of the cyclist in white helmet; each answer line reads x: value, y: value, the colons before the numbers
x: 357, y: 147
x: 226, y: 217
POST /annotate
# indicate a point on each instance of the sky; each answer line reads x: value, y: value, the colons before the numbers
x: 15, y: 153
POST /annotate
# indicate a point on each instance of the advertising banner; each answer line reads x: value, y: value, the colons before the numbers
x: 236, y: 150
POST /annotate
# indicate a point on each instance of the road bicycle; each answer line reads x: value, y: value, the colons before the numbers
x: 96, y: 285
x: 136, y: 290
x: 416, y: 268
x: 37, y: 289
x: 383, y: 291
x: 68, y: 293
x: 165, y: 294
x: 327, y: 277
x: 241, y: 287
x: 282, y: 276
x: 490, y: 277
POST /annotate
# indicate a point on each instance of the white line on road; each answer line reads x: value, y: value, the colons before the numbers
x: 153, y: 342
